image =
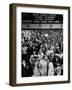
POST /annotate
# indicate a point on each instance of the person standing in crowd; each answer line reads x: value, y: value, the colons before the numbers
x: 40, y: 53
x: 50, y: 66
x: 43, y: 65
x: 58, y: 60
x: 24, y: 69
x: 57, y: 65
x: 26, y: 63
x: 34, y: 60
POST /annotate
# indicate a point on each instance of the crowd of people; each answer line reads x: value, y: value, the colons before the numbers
x: 42, y: 52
